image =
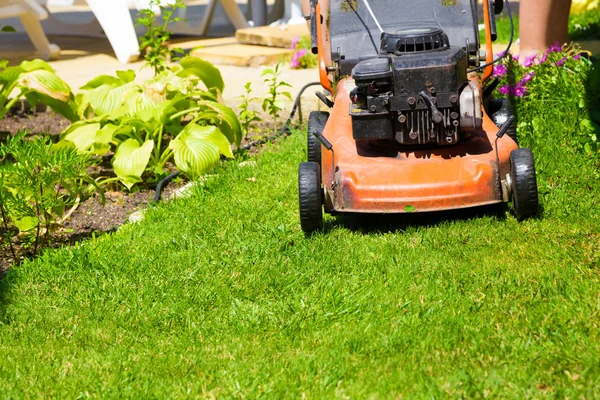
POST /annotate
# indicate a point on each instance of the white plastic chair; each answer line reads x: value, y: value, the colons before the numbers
x: 31, y: 13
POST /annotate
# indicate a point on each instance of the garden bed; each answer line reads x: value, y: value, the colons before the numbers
x: 91, y: 217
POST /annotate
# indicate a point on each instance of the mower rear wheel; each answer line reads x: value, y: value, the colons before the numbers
x: 523, y: 183
x: 316, y: 123
x: 311, y: 197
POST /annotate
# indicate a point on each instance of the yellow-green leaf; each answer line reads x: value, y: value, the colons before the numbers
x: 130, y: 161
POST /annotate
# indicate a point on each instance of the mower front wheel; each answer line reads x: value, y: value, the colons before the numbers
x: 310, y: 195
x: 523, y: 183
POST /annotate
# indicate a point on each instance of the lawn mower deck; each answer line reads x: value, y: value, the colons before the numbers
x: 408, y: 131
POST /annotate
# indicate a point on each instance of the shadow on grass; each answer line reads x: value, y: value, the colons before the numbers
x: 384, y: 223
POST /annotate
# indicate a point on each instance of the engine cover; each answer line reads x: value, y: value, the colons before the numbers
x: 412, y: 91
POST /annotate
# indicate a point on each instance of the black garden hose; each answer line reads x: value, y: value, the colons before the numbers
x: 286, y: 128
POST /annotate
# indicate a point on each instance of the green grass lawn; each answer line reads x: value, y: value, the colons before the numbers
x: 221, y: 295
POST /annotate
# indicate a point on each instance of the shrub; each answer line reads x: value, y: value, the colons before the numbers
x: 168, y: 116
x: 553, y: 96
x: 39, y: 181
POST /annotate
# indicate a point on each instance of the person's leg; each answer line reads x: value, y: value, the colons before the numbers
x: 543, y: 23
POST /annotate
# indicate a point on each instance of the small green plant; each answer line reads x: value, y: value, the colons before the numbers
x: 36, y: 81
x: 247, y: 116
x: 39, y: 181
x: 7, y: 28
x: 167, y: 117
x: 272, y: 105
x: 155, y: 40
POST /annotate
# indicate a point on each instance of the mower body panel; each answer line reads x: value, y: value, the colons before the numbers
x: 383, y: 177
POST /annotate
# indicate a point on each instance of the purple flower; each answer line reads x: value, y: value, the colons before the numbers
x: 295, y: 41
x: 528, y: 77
x: 500, y: 70
x: 504, y: 90
x: 555, y: 48
x: 576, y: 57
x: 519, y: 90
x: 543, y: 58
x: 501, y: 54
x: 516, y: 57
x: 529, y: 60
x: 561, y: 62
x: 297, y: 56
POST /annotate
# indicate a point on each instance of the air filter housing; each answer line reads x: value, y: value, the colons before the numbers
x: 415, y: 40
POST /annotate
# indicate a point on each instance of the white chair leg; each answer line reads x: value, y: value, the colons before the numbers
x: 115, y: 20
x: 234, y: 14
x: 35, y: 32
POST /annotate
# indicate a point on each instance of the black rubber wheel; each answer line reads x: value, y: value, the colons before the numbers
x: 523, y: 183
x: 499, y: 111
x: 310, y: 195
x: 316, y: 122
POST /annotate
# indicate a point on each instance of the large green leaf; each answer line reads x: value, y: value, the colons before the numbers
x: 106, y: 98
x: 36, y: 64
x: 130, y: 161
x: 82, y: 135
x: 210, y: 133
x: 46, y: 83
x: 226, y: 120
x: 102, y: 80
x: 194, y: 156
x: 208, y: 73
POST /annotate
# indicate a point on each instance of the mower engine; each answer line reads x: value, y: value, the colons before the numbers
x: 415, y: 92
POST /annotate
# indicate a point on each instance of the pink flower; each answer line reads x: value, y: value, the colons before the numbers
x: 543, y: 58
x: 529, y: 60
x: 576, y: 57
x: 555, y: 48
x: 561, y: 62
x: 295, y: 41
x: 516, y: 57
x: 500, y: 70
x: 501, y: 54
x: 297, y: 56
x: 528, y: 77
x: 504, y: 90
x: 519, y: 90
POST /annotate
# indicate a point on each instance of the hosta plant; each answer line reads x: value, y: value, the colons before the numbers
x: 39, y: 182
x: 170, y: 116
x: 36, y: 81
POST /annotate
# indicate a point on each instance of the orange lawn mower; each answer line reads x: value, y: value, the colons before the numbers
x: 411, y: 128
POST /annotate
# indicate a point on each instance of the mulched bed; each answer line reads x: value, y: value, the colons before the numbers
x: 91, y: 217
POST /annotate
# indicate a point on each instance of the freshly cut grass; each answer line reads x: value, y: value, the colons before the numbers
x: 221, y: 295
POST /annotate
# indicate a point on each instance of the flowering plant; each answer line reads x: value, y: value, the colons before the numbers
x: 302, y: 58
x: 550, y: 87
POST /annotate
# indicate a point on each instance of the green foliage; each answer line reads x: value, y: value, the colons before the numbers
x: 585, y: 25
x: 36, y: 81
x: 555, y: 101
x: 148, y: 124
x: 7, y: 28
x: 155, y: 40
x: 247, y: 116
x: 271, y: 104
x: 38, y: 182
